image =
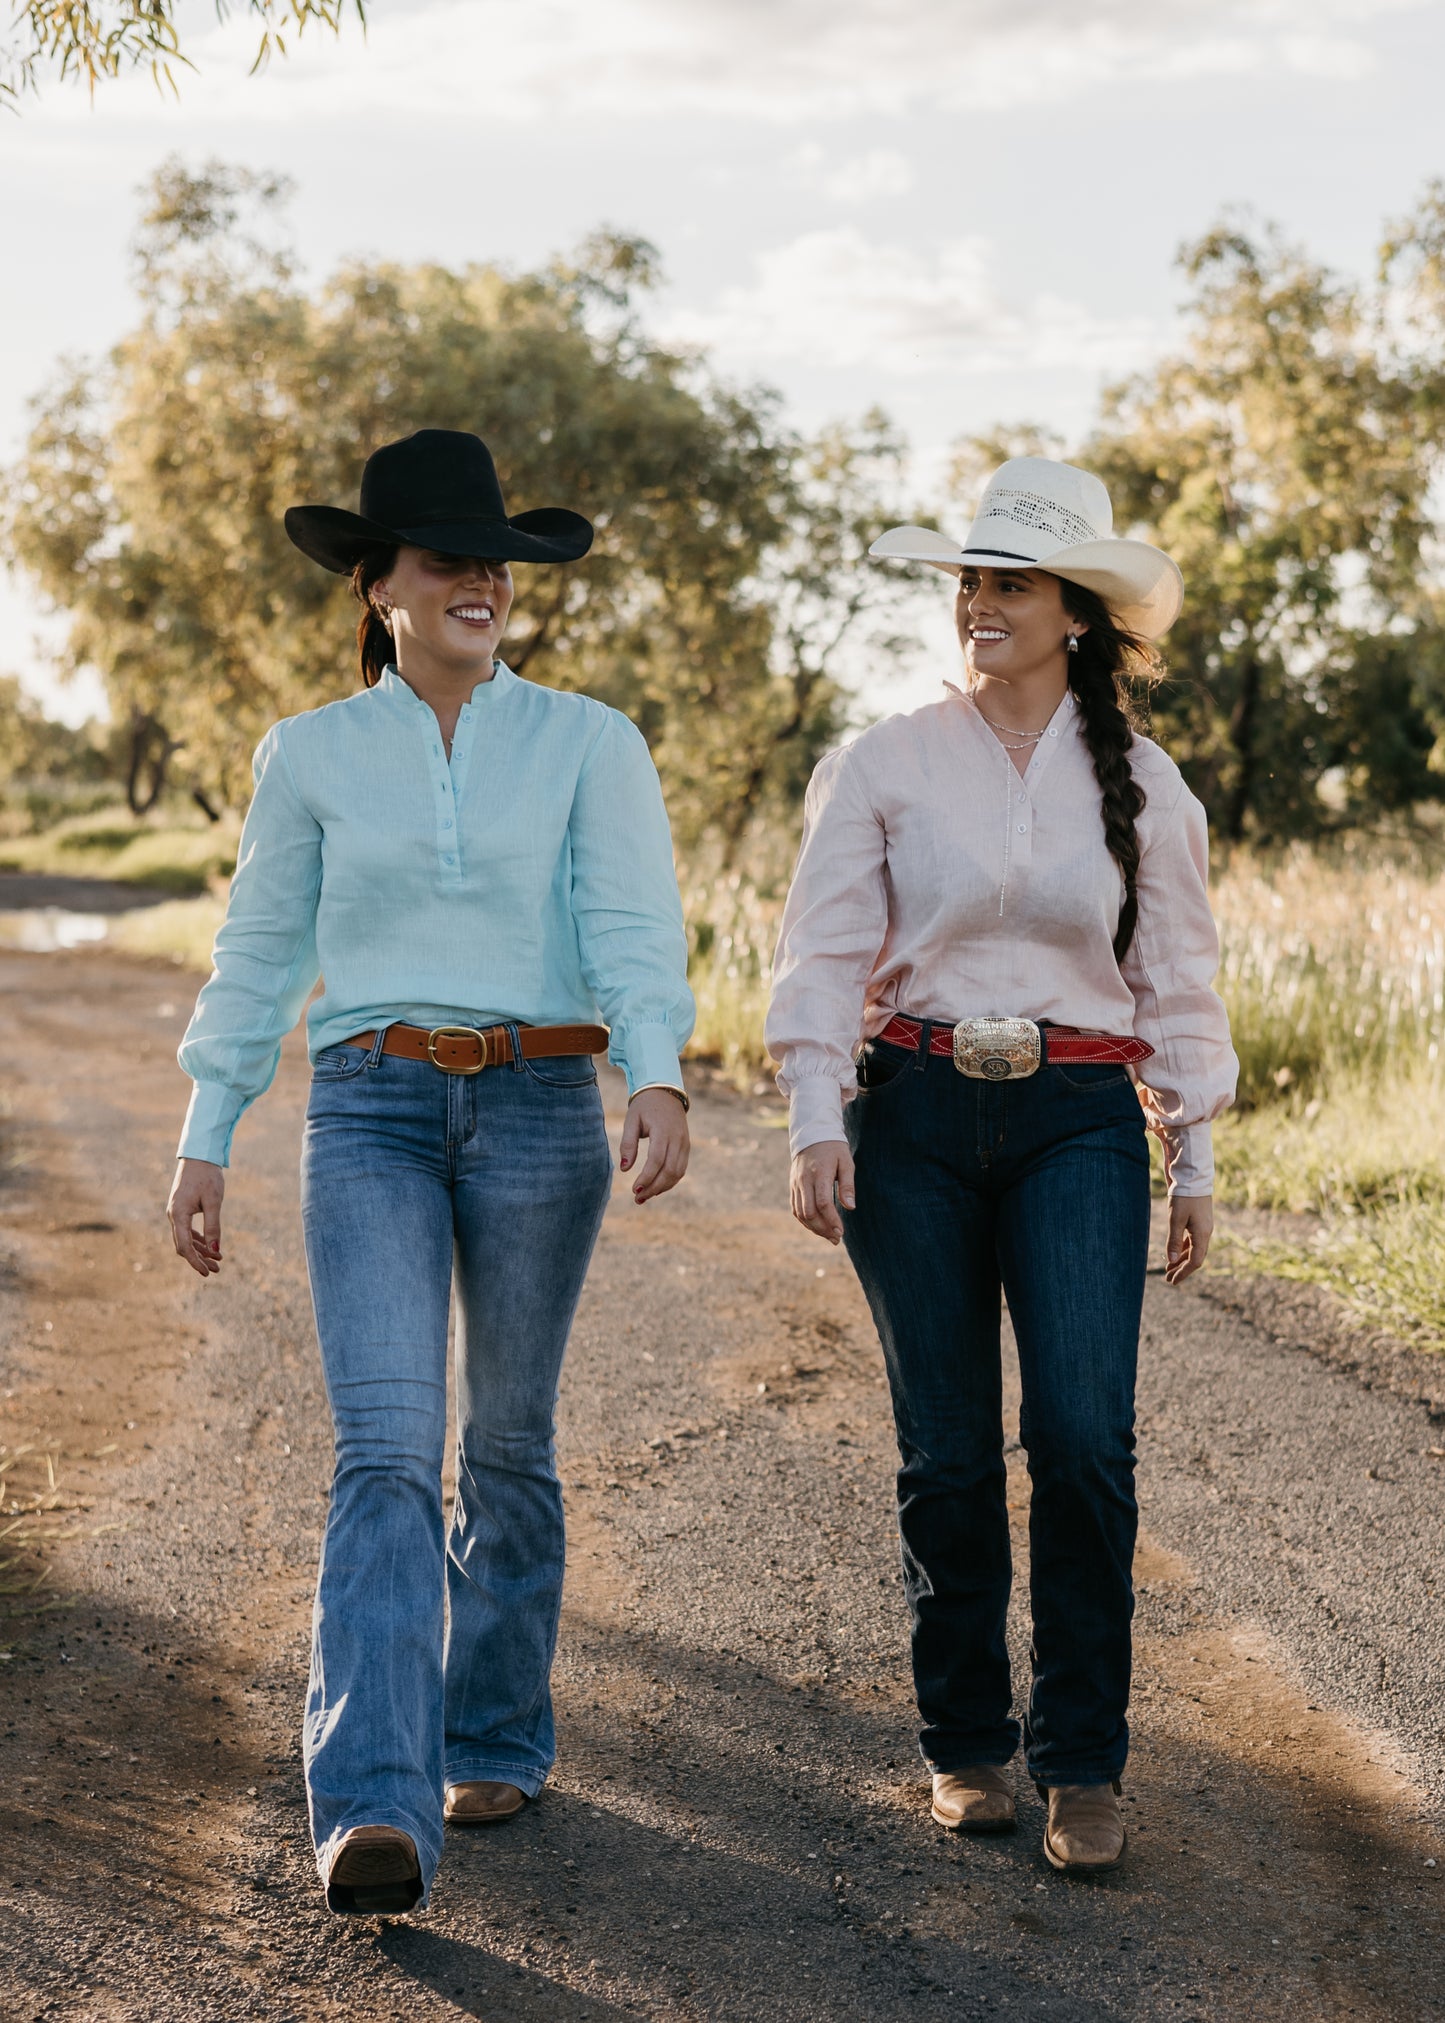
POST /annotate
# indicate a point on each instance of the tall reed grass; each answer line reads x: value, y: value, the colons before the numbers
x: 1332, y: 966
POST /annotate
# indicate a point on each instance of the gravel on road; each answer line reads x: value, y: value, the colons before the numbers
x: 738, y: 1825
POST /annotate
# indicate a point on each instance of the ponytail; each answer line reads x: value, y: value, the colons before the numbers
x: 1108, y: 657
x: 375, y: 649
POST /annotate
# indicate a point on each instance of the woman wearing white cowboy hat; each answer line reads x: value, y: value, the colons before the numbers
x: 994, y: 970
x: 478, y: 868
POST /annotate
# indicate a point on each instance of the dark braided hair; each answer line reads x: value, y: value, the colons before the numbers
x: 1109, y: 659
x: 375, y: 650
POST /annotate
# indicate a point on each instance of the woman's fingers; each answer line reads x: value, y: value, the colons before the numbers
x: 197, y: 1190
x: 631, y: 1133
x: 1191, y: 1225
x: 817, y: 1173
x: 658, y: 1117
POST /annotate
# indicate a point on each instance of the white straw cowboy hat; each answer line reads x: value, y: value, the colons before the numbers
x: 1038, y: 514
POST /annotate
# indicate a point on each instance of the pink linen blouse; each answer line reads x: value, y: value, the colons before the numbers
x: 935, y: 880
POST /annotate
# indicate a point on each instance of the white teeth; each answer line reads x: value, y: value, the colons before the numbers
x: 478, y: 611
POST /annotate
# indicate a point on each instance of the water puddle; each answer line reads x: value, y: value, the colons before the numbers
x: 50, y: 930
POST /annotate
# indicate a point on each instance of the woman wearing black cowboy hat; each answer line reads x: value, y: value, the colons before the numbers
x: 478, y: 869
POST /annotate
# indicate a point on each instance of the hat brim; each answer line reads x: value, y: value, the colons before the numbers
x: 338, y: 540
x: 1141, y: 585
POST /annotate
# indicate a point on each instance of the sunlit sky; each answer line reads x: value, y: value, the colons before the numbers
x: 964, y: 210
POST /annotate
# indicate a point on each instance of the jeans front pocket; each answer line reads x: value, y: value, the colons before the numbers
x: 563, y: 1071
x: 339, y: 1064
x: 1090, y: 1079
x: 881, y: 1064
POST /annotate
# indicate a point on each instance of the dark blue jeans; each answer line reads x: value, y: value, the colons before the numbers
x: 1039, y: 1188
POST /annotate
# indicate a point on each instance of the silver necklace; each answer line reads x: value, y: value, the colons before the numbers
x: 1029, y: 737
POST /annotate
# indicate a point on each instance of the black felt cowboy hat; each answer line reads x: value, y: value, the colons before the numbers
x: 436, y: 489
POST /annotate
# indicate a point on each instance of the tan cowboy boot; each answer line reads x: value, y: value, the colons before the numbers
x: 977, y: 1800
x: 1085, y: 1831
x: 482, y: 1804
x: 374, y: 1871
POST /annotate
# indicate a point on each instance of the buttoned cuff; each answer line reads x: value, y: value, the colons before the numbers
x: 815, y: 1113
x: 647, y: 1055
x: 1189, y: 1160
x: 210, y: 1123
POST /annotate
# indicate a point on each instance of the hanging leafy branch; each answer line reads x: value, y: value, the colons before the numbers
x: 76, y: 38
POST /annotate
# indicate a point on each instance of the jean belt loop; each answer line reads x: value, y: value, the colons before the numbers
x: 920, y: 1059
x: 376, y: 1046
x: 518, y: 1066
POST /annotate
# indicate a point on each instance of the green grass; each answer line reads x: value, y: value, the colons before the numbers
x: 165, y: 855
x: 178, y: 930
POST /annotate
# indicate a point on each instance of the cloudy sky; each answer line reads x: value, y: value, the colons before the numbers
x: 966, y: 210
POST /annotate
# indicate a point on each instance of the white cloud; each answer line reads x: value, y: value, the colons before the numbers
x: 835, y: 299
x: 881, y: 172
x: 493, y: 63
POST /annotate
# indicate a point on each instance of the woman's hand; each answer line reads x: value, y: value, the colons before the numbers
x: 820, y: 1172
x: 1191, y: 1224
x: 197, y: 1190
x: 658, y: 1116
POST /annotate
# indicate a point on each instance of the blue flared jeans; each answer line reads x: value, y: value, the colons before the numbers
x: 432, y: 1648
x: 1038, y: 1188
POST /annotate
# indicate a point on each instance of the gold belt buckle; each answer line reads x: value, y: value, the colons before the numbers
x: 456, y: 1033
x: 997, y: 1049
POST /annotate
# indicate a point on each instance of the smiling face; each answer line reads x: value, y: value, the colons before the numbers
x: 447, y: 613
x: 1012, y: 624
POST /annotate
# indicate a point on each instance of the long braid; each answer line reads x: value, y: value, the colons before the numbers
x: 1098, y: 677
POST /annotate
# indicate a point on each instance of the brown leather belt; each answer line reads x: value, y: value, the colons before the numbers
x: 1006, y: 1050
x: 466, y: 1050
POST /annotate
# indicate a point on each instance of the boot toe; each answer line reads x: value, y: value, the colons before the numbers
x: 1085, y: 1831
x: 977, y: 1800
x: 482, y: 1803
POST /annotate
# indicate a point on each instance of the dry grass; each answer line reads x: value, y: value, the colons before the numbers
x: 1332, y: 966
x: 1331, y: 963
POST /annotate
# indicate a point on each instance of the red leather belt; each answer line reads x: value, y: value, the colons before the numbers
x: 1006, y: 1050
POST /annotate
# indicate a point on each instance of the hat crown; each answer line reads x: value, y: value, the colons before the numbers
x: 1033, y: 507
x: 438, y: 476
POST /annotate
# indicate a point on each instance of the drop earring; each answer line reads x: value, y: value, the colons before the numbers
x: 1071, y: 644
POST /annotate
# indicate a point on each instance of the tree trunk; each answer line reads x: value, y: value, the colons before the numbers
x: 147, y: 761
x: 1243, y: 721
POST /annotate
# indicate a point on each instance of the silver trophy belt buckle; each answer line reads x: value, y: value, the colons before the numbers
x: 997, y: 1050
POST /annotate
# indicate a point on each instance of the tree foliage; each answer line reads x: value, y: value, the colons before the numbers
x: 95, y: 39
x: 729, y: 569
x: 1285, y: 454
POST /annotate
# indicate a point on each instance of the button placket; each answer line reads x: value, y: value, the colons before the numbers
x: 455, y: 783
x: 448, y: 841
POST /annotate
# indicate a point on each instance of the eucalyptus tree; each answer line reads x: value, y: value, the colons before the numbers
x: 1285, y: 452
x: 729, y: 571
x: 85, y: 40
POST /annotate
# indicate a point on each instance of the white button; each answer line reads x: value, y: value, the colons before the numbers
x: 449, y: 860
x: 466, y: 716
x: 1023, y: 828
x: 447, y: 823
x: 1053, y: 734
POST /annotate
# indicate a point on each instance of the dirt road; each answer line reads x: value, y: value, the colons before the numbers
x: 737, y: 1827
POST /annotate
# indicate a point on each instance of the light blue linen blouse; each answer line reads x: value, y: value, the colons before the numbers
x: 531, y: 878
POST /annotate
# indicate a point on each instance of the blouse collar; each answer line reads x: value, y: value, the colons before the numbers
x: 484, y: 695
